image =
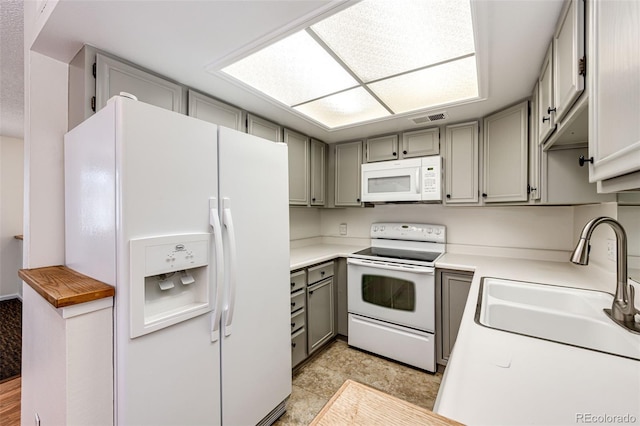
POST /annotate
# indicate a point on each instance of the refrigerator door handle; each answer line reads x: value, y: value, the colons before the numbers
x: 227, y: 221
x: 214, y: 222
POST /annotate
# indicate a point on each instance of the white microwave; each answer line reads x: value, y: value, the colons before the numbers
x: 415, y: 179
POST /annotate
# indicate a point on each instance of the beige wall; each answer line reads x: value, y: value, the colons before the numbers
x: 11, y: 202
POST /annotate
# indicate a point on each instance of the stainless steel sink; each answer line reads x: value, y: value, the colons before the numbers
x: 564, y: 315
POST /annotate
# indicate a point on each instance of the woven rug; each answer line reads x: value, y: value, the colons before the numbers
x: 10, y: 338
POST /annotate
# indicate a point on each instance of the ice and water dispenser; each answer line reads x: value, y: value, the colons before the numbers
x: 169, y: 281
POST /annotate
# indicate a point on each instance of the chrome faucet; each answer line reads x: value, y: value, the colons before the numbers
x: 622, y: 310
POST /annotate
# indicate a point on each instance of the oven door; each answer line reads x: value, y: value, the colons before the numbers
x: 392, y: 292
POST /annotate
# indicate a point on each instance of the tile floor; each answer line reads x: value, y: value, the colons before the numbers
x: 316, y: 382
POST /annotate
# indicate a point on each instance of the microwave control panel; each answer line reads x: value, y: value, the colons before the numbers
x: 431, y: 178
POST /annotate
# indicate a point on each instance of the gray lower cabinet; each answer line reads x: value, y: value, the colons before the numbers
x: 453, y: 291
x: 298, y: 317
x: 320, y: 310
x: 313, y: 313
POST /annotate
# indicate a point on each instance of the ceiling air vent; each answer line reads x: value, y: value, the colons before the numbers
x: 429, y: 118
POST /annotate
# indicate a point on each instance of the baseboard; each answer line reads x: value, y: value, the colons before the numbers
x: 11, y: 296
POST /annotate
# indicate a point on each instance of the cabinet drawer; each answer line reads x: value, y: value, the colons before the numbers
x: 298, y: 280
x: 297, y: 300
x: 320, y: 272
x: 297, y: 320
x: 298, y: 347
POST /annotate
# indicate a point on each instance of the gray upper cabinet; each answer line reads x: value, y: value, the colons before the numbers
x: 212, y: 110
x: 348, y: 162
x: 420, y: 143
x: 505, y: 155
x: 265, y: 129
x: 568, y: 55
x: 318, y: 174
x: 382, y: 148
x: 114, y: 76
x: 614, y: 95
x: 461, y: 163
x: 299, y: 158
x: 535, y: 149
x: 546, y: 118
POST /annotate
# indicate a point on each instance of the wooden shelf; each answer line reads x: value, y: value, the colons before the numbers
x: 63, y: 287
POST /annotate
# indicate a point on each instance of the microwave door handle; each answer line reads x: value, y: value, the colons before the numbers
x: 418, y: 185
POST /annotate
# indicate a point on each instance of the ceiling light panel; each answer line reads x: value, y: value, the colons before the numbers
x: 380, y: 38
x: 293, y: 70
x: 342, y: 109
x: 443, y: 84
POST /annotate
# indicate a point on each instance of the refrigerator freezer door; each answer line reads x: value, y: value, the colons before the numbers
x: 256, y: 357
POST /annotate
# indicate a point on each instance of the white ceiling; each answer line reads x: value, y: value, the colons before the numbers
x: 179, y: 39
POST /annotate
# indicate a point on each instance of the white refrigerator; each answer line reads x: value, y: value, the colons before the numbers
x: 190, y: 222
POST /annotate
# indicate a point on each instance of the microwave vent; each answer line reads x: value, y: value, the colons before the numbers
x: 430, y: 117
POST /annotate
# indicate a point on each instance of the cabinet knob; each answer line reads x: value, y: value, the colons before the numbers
x: 358, y: 199
x: 310, y: 293
x: 546, y: 119
x: 582, y: 160
x: 404, y: 152
x: 448, y: 195
x: 293, y: 324
x: 395, y: 154
x: 322, y: 273
x: 293, y: 284
x: 550, y: 110
x: 293, y: 345
x: 484, y: 195
x: 293, y: 304
x: 313, y: 199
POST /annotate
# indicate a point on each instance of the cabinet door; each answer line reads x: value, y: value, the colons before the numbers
x: 568, y: 51
x: 535, y: 150
x: 614, y: 94
x: 113, y: 77
x: 505, y: 155
x: 318, y: 173
x: 263, y: 128
x: 382, y: 148
x: 320, y: 311
x: 461, y: 163
x: 455, y: 290
x: 420, y: 143
x: 298, y: 167
x: 214, y: 111
x: 546, y: 123
x: 348, y: 177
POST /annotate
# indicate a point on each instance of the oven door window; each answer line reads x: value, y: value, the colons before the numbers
x: 389, y: 292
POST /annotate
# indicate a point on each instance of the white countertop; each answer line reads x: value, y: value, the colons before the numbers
x: 309, y: 255
x: 495, y: 377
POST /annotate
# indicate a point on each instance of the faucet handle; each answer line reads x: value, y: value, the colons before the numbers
x: 630, y: 309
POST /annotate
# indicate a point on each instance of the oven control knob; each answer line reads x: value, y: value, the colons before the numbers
x: 429, y: 230
x: 438, y: 231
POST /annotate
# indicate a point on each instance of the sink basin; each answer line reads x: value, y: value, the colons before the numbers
x: 560, y: 314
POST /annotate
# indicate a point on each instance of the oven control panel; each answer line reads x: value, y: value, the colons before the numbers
x: 409, y: 231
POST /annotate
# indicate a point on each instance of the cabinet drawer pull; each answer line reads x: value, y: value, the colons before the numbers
x: 546, y: 119
x: 293, y: 324
x: 293, y: 304
x: 293, y: 345
x: 550, y: 110
x: 293, y: 284
x: 311, y: 292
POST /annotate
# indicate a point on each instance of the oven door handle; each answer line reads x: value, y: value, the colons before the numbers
x: 391, y: 266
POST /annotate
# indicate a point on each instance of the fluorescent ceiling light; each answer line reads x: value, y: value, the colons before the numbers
x: 370, y: 61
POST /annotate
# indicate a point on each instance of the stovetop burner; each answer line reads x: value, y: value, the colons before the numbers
x: 383, y: 252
